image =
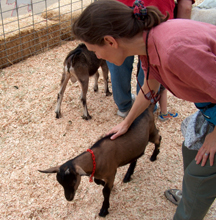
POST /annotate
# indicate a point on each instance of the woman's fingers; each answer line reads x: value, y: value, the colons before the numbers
x: 203, y: 156
x: 118, y: 130
x: 113, y: 137
x: 208, y: 150
x: 199, y: 156
x: 110, y: 132
x: 204, y: 159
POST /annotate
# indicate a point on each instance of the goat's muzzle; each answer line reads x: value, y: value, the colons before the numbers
x: 69, y: 195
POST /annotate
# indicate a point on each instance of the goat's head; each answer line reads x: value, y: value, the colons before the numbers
x: 68, y: 176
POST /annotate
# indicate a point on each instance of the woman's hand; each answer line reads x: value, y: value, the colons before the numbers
x: 140, y: 104
x: 118, y: 130
x: 208, y: 149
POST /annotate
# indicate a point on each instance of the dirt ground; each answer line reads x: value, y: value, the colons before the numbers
x: 31, y: 138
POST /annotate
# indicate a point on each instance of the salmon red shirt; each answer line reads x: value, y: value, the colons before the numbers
x: 182, y: 55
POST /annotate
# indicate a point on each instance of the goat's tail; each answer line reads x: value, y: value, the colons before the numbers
x: 70, y: 58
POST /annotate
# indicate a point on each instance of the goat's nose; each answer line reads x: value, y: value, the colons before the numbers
x: 69, y: 197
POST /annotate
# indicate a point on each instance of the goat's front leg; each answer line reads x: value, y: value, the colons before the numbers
x: 84, y: 86
x: 106, y: 193
x: 64, y: 81
x: 105, y: 71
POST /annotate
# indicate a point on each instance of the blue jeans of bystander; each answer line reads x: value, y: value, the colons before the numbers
x: 121, y: 83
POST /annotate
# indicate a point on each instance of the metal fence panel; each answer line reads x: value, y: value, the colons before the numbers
x: 29, y: 27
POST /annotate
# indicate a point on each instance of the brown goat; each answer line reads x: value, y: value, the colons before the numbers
x: 109, y: 155
x: 79, y: 65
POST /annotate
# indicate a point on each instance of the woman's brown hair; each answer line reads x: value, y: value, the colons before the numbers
x: 110, y: 17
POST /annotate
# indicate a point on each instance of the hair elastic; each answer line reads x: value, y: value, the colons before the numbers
x: 139, y: 9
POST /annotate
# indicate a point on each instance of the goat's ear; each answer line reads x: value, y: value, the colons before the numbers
x: 50, y: 170
x: 80, y: 171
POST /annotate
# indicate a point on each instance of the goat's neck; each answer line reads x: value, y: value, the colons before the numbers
x: 85, y: 161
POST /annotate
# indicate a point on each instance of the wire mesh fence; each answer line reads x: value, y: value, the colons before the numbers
x: 29, y: 27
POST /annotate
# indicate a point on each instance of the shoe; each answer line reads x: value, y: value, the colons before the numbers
x: 124, y: 114
x: 164, y: 117
x: 173, y: 195
x: 133, y: 98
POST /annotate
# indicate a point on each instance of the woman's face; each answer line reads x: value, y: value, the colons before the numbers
x: 107, y: 52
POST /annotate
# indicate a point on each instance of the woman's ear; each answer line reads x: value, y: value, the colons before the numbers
x: 111, y: 41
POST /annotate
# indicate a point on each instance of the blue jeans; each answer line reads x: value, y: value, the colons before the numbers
x: 121, y: 83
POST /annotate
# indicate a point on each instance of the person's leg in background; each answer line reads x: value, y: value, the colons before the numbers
x: 121, y: 85
x: 164, y: 114
x: 163, y: 102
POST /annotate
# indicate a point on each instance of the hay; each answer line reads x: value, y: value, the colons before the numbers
x: 31, y: 138
x: 25, y: 37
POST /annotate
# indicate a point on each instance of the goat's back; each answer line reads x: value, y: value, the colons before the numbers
x: 82, y: 60
x: 131, y: 145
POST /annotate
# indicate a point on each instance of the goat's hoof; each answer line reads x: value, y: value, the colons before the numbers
x: 58, y: 115
x: 126, y: 179
x: 108, y: 93
x: 86, y: 117
x: 103, y: 212
x: 95, y: 88
x: 153, y: 158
